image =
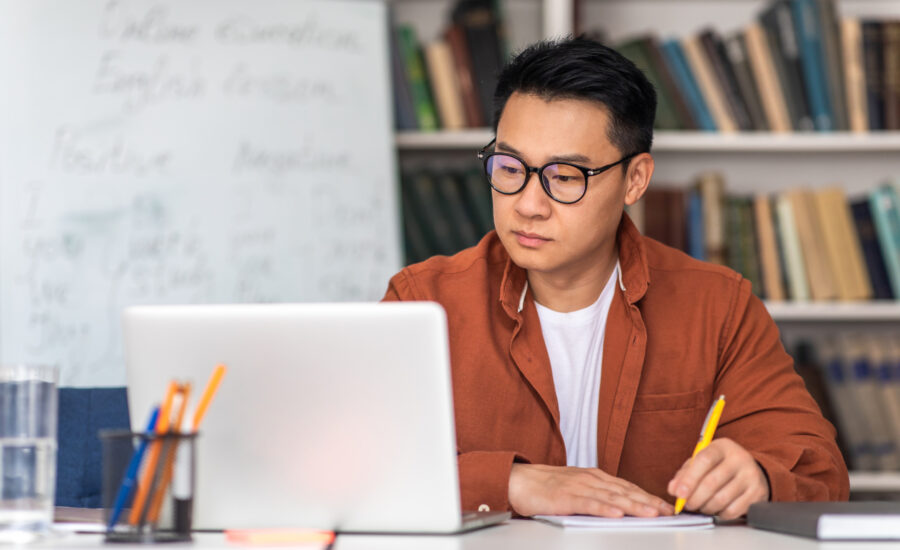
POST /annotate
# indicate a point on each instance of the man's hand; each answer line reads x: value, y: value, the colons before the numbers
x: 559, y: 490
x: 723, y: 479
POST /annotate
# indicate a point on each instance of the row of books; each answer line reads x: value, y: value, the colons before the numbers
x: 444, y: 211
x: 799, y: 244
x: 797, y: 67
x: 449, y: 82
x: 855, y: 379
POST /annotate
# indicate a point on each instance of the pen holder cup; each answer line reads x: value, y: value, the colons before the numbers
x: 148, y: 486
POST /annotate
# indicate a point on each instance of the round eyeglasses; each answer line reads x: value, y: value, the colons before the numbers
x: 562, y: 181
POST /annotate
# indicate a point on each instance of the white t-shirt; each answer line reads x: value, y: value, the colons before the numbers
x: 575, y: 344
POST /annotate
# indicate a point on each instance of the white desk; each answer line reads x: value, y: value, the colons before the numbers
x: 526, y: 535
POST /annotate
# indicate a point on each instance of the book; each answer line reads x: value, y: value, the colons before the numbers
x: 426, y: 205
x: 481, y: 28
x: 795, y: 265
x: 664, y: 216
x: 423, y: 104
x: 835, y: 253
x: 463, y: 228
x: 711, y: 187
x: 850, y: 421
x: 671, y: 112
x: 873, y: 68
x: 860, y: 520
x: 445, y: 85
x: 725, y: 78
x: 854, y: 77
x: 637, y: 50
x: 871, y: 250
x: 694, y: 232
x: 809, y: 39
x: 684, y: 79
x: 415, y: 241
x: 848, y: 242
x: 891, y: 53
x: 770, y: 265
x: 778, y: 24
x: 709, y: 86
x: 832, y: 60
x: 736, y: 51
x: 667, y: 78
x: 404, y: 111
x: 770, y: 91
x: 476, y: 194
x: 809, y: 229
x: 884, y: 205
x: 456, y: 39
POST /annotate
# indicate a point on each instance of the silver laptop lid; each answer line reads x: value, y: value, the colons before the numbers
x: 335, y: 416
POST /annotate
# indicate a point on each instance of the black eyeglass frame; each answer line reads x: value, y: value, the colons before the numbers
x: 484, y: 156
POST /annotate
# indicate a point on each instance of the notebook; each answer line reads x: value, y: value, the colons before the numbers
x: 875, y: 520
x: 681, y: 521
x: 331, y: 416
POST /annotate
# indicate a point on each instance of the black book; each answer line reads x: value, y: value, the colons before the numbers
x: 877, y: 520
x: 736, y: 51
x: 718, y: 60
x: 871, y: 249
x: 778, y: 24
x: 481, y: 27
x: 873, y: 68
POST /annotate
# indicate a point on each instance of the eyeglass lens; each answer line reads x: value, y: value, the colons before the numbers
x: 507, y: 174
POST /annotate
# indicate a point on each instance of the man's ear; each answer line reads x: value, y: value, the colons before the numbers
x: 640, y: 169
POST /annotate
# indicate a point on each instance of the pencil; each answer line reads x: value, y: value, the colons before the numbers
x: 157, y: 499
x: 211, y: 387
x: 162, y: 426
x: 706, y: 435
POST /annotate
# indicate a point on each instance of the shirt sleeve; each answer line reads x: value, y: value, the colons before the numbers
x: 769, y: 411
x: 483, y: 475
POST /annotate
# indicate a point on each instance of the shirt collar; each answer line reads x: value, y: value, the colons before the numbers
x: 634, y: 275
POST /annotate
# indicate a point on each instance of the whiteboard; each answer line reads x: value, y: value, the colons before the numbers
x: 206, y: 151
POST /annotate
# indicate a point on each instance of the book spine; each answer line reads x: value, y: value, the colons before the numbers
x: 854, y: 78
x: 886, y: 215
x: 684, y: 77
x: 712, y: 94
x: 779, y: 26
x: 770, y: 91
x: 806, y: 22
x: 418, y: 82
x: 873, y: 58
x: 892, y: 75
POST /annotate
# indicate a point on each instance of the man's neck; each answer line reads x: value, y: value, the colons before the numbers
x: 570, y: 292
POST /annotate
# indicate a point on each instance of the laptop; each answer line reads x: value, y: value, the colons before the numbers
x: 330, y: 416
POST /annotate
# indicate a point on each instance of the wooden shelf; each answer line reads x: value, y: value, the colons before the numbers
x: 750, y: 142
x: 835, y: 311
x: 875, y: 482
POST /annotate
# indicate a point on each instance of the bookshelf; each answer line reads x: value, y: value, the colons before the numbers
x: 751, y: 162
x: 667, y: 142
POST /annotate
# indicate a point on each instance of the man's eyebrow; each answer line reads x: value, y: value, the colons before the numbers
x: 573, y: 157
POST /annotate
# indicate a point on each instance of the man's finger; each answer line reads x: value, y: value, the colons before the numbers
x: 686, y: 480
x: 710, y: 484
x: 723, y: 498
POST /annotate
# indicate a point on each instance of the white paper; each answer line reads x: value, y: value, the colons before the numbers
x: 681, y: 521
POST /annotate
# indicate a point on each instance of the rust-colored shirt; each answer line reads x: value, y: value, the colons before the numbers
x: 679, y: 333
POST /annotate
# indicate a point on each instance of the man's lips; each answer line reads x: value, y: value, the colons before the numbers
x: 530, y: 240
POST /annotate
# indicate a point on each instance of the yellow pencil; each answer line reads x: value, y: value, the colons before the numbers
x: 706, y: 435
x: 208, y: 394
x: 162, y: 426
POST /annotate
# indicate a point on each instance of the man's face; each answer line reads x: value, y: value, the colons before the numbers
x: 539, y: 233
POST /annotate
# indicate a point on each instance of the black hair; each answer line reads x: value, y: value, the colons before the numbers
x: 581, y: 68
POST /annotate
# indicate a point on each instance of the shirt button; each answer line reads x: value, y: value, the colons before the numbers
x: 484, y: 508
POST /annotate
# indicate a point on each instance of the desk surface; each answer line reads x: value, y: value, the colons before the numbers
x: 529, y: 535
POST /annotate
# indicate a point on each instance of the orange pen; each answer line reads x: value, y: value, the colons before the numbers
x: 157, y: 499
x: 162, y: 426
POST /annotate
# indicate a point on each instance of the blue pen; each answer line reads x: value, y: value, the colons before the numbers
x: 131, y: 474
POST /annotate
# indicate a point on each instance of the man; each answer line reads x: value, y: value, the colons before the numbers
x: 585, y: 356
